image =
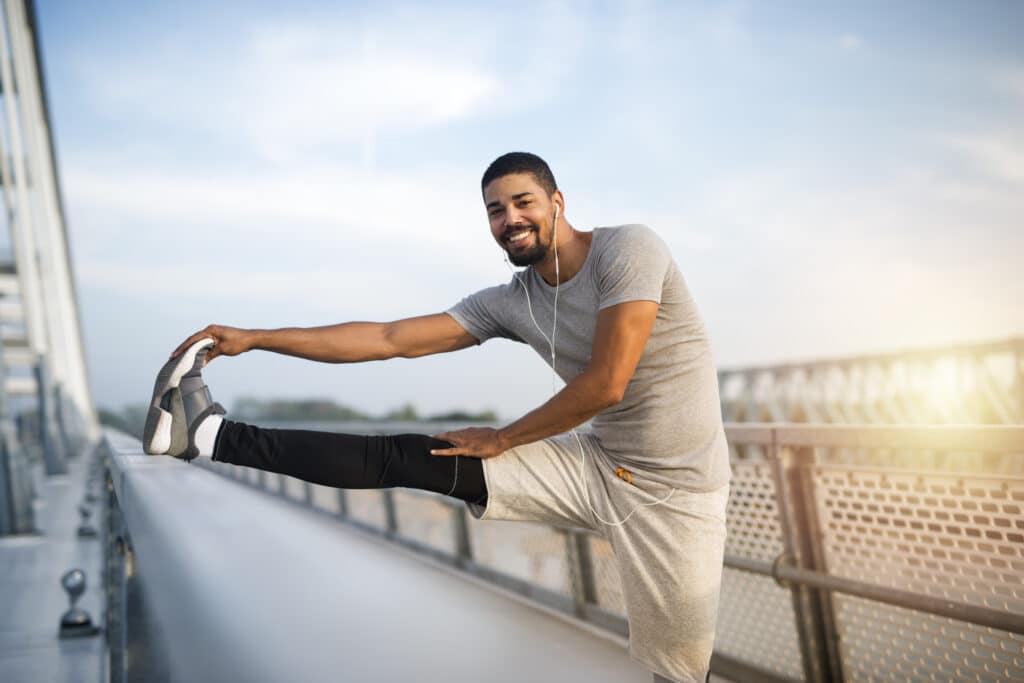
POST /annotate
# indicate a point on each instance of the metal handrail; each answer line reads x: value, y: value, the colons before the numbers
x: 216, y: 584
x: 790, y: 450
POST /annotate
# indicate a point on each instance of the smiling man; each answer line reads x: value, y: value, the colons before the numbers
x: 609, y: 310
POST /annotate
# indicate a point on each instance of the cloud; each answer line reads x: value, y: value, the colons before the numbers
x: 1010, y: 80
x: 850, y: 41
x: 285, y: 94
x: 998, y: 156
x: 296, y: 89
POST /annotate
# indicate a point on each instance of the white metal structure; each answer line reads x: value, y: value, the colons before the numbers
x: 40, y: 312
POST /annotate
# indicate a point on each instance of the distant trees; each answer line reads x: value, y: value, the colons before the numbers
x: 306, y: 410
x: 131, y: 418
x: 326, y: 410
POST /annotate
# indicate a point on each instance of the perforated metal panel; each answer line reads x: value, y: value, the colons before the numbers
x: 325, y: 498
x: 367, y: 506
x: 956, y: 537
x: 425, y: 520
x: 607, y: 583
x: 294, y: 488
x: 883, y: 643
x: 755, y: 616
x: 528, y: 551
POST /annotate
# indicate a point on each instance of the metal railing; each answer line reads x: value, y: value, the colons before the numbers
x: 838, y: 566
x: 963, y: 384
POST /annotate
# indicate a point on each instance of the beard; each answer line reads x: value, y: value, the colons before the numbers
x: 526, y: 257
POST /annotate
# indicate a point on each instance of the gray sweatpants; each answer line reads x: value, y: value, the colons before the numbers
x: 668, y: 555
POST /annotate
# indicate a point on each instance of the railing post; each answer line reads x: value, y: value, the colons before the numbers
x: 307, y: 490
x: 460, y: 527
x: 390, y: 518
x: 801, y: 539
x: 1018, y: 377
x: 581, y: 570
x: 115, y: 584
x: 53, y: 448
x: 342, y: 504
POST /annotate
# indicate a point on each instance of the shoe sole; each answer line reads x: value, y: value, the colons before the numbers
x: 156, y: 439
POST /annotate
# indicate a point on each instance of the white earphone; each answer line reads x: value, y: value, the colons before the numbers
x: 554, y: 379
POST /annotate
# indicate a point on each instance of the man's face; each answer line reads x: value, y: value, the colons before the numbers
x: 522, y: 217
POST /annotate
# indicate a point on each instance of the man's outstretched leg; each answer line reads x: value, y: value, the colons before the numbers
x: 185, y: 422
x: 351, y: 461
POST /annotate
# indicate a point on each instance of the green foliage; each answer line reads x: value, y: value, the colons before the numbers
x: 406, y: 413
x: 132, y: 418
x: 306, y: 410
x: 463, y: 416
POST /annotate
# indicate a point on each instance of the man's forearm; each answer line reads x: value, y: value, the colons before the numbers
x: 578, y: 401
x: 343, y: 343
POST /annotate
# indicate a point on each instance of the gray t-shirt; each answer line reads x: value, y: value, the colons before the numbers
x: 669, y: 423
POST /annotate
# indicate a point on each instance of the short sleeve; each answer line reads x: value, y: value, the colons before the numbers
x: 632, y: 266
x: 482, y: 314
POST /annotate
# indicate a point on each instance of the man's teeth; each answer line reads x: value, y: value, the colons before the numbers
x: 519, y: 236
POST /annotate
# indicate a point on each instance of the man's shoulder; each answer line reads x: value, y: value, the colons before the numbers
x: 619, y: 235
x: 625, y: 240
x: 495, y: 294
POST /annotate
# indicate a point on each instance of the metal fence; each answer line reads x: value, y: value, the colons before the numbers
x: 838, y: 566
x: 964, y: 384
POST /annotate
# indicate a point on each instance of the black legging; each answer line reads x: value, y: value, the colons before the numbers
x: 349, y: 461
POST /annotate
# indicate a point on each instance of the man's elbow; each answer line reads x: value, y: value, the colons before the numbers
x: 611, y: 396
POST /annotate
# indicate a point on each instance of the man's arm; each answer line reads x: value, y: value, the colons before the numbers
x: 343, y: 343
x: 619, y: 339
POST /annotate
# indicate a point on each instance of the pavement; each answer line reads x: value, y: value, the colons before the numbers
x: 32, y: 599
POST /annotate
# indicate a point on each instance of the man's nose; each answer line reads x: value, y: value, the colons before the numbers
x: 512, y: 217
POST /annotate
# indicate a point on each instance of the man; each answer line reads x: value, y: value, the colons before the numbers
x: 651, y: 474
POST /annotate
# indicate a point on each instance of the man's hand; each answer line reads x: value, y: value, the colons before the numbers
x: 475, y: 442
x: 228, y: 341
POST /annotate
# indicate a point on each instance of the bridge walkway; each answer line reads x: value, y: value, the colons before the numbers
x: 32, y: 600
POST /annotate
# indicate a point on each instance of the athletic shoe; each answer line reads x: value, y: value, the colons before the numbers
x: 157, y: 437
x: 189, y: 405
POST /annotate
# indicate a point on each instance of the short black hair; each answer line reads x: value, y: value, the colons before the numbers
x: 521, y: 162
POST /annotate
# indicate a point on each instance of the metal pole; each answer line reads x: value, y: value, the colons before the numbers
x: 53, y: 451
x: 581, y: 568
x: 390, y: 517
x: 960, y: 611
x: 798, y: 540
x: 1018, y: 378
x: 463, y: 547
x: 115, y: 608
x: 342, y: 504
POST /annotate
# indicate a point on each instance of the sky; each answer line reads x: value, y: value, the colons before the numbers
x: 832, y: 178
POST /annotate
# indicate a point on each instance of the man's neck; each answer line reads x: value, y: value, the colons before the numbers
x: 573, y: 246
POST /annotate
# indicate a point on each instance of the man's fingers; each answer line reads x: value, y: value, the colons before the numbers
x: 187, y: 343
x: 449, y: 451
x: 202, y: 334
